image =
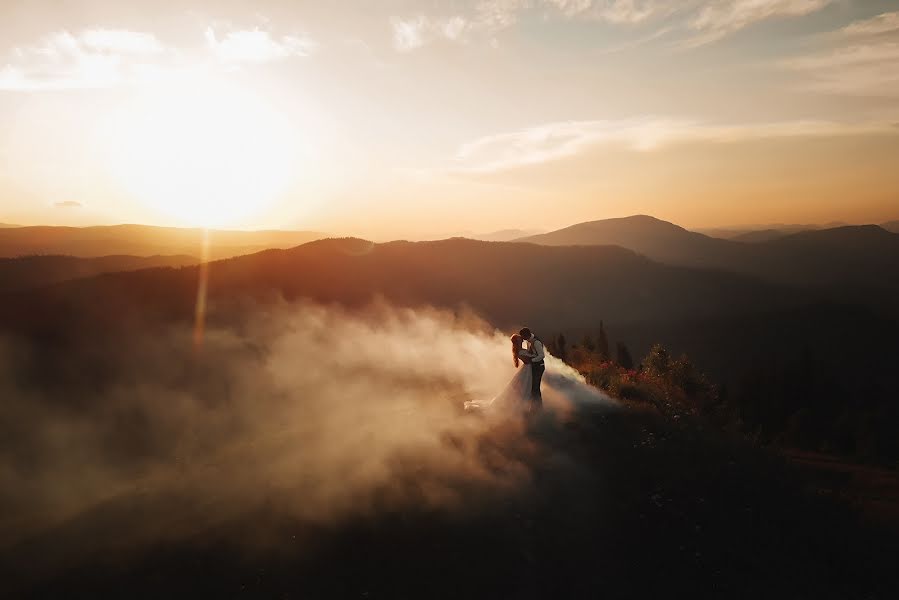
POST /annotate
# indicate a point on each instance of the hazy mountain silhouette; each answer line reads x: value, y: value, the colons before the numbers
x: 761, y: 235
x: 575, y: 283
x: 892, y: 226
x: 730, y: 233
x: 567, y: 288
x: 654, y: 238
x: 503, y: 235
x: 860, y: 255
x: 141, y: 240
x: 32, y: 271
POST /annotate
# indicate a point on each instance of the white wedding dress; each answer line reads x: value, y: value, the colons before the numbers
x: 515, y: 396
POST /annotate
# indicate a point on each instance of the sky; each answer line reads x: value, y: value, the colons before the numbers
x: 402, y: 119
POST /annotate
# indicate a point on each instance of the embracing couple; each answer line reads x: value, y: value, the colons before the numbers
x: 527, y: 348
x: 523, y: 391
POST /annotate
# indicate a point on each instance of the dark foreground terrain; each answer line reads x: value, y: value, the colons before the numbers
x: 618, y: 503
x: 309, y: 442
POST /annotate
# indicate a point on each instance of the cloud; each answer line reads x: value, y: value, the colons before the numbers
x: 864, y: 61
x: 718, y: 19
x: 884, y: 23
x: 130, y: 42
x: 370, y: 421
x: 614, y: 11
x: 95, y: 58
x: 68, y: 204
x: 409, y: 34
x: 556, y: 141
x: 102, y: 58
x: 412, y: 33
x: 256, y: 45
x: 706, y: 21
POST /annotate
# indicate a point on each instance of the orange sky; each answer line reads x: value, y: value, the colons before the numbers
x: 406, y: 119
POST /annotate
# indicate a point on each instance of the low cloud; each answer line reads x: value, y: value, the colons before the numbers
x: 556, y: 141
x: 317, y: 412
x: 68, y: 204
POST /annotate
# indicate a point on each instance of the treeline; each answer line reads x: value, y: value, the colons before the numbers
x: 590, y: 349
x: 798, y: 404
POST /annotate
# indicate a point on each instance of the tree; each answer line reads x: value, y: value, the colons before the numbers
x: 588, y: 344
x: 603, y: 343
x: 560, y: 346
x: 658, y: 361
x: 624, y: 356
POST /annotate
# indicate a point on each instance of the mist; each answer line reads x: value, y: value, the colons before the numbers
x: 316, y: 412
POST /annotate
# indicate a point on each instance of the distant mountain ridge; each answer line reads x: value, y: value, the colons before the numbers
x: 33, y: 271
x: 142, y: 240
x: 732, y: 233
x: 573, y: 283
x: 861, y: 254
x: 723, y: 319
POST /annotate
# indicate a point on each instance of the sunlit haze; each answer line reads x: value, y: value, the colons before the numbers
x: 402, y: 119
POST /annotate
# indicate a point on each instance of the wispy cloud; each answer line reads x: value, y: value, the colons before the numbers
x: 614, y: 11
x: 718, y: 19
x: 864, y: 61
x: 409, y: 34
x: 489, y: 17
x: 92, y: 59
x: 702, y: 21
x: 256, y: 46
x: 68, y: 204
x: 556, y: 141
x: 102, y: 58
x: 121, y: 41
x: 884, y: 23
x: 414, y: 32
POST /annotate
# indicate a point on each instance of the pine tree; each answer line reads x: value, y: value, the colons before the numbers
x: 560, y: 346
x: 588, y: 344
x: 624, y: 356
x: 603, y: 343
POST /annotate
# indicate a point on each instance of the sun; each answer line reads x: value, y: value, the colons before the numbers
x: 204, y: 155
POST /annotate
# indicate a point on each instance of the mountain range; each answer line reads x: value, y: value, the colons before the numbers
x: 38, y: 270
x: 142, y: 240
x: 814, y: 353
x: 861, y: 255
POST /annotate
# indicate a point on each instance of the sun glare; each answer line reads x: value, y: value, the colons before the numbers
x: 204, y: 155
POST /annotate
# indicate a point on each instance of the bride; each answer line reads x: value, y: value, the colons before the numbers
x: 515, y: 395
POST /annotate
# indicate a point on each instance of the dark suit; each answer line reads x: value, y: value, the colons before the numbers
x: 537, y: 370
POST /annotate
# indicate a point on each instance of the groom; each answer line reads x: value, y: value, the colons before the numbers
x: 537, y: 365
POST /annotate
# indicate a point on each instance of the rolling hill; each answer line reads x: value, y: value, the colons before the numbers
x: 141, y: 240
x: 32, y: 271
x: 552, y: 289
x: 857, y: 255
x: 760, y: 235
x: 654, y: 238
x: 507, y: 283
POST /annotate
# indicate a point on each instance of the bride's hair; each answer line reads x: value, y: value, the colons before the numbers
x: 516, y: 346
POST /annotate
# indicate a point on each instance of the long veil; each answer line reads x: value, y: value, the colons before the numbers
x: 512, y: 398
